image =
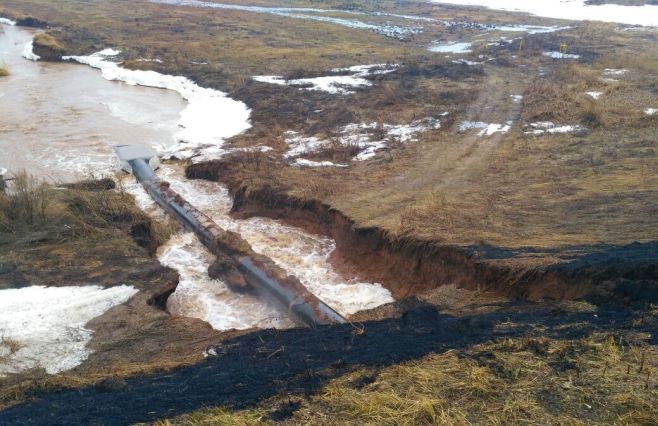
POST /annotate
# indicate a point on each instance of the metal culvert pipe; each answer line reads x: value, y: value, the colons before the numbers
x: 270, y: 281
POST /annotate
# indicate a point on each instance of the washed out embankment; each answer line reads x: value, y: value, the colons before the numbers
x: 406, y: 266
x: 237, y: 263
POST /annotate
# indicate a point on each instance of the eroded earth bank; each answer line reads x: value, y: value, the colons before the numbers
x: 474, y: 190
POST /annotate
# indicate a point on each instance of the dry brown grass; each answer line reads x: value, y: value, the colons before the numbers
x: 598, y: 380
x: 4, y: 71
x: 26, y: 202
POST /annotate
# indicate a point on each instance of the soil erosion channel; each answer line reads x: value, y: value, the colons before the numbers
x: 61, y: 122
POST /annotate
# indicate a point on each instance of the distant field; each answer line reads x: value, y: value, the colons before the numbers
x: 508, y: 189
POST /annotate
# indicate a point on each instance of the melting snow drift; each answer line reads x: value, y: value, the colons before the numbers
x: 451, y: 47
x: 542, y: 127
x: 209, y: 118
x: 487, y: 129
x: 575, y: 10
x: 28, y: 53
x: 560, y: 55
x: 7, y: 21
x: 44, y: 327
x: 360, y: 135
x: 335, y: 84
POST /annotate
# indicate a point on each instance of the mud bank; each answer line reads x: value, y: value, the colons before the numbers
x: 407, y: 266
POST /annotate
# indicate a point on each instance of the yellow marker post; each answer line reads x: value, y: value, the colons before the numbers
x: 564, y: 48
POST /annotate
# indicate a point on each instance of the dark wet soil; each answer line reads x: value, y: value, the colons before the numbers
x: 251, y: 368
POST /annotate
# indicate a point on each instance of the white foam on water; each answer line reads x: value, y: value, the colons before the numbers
x: 576, y: 10
x: 47, y: 325
x: 208, y: 120
x: 199, y: 296
x: 300, y: 253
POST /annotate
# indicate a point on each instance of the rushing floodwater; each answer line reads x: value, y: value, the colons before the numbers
x: 60, y: 121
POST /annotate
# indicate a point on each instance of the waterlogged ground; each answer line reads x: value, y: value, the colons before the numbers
x: 61, y: 123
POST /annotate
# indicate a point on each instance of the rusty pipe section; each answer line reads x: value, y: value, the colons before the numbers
x: 260, y: 272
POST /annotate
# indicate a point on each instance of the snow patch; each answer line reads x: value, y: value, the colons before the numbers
x: 614, y: 72
x: 516, y: 98
x: 302, y: 162
x: 335, y: 84
x: 530, y: 29
x: 452, y: 47
x: 650, y: 111
x: 466, y: 62
x: 47, y: 325
x: 560, y: 55
x: 7, y: 21
x: 487, y: 129
x: 594, y: 95
x: 208, y: 120
x: 575, y: 10
x: 542, y: 127
x: 361, y: 135
x: 28, y: 52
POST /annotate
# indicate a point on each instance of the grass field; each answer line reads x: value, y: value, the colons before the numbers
x: 596, y: 380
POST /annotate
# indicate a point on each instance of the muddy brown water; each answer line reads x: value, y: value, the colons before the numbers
x: 59, y: 123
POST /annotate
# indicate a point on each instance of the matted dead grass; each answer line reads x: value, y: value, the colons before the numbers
x: 603, y: 379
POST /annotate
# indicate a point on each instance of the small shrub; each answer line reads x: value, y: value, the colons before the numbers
x: 27, y: 201
x: 4, y: 72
